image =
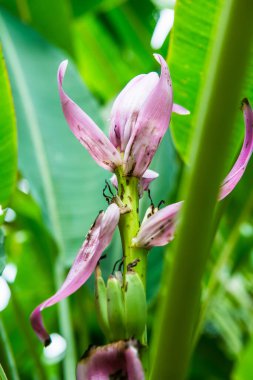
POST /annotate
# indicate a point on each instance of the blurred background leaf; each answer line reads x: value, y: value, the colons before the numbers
x: 8, y: 138
x: 191, y: 40
x: 51, y: 18
x: 50, y: 158
x: 2, y: 251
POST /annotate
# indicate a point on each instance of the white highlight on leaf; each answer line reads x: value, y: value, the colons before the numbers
x: 55, y: 352
x: 246, y: 229
x: 10, y: 272
x: 24, y: 186
x: 21, y: 236
x: 10, y: 215
x: 5, y: 294
x: 162, y: 28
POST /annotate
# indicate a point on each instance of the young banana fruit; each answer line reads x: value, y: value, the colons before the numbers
x: 122, y: 310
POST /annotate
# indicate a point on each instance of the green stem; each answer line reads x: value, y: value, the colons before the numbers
x: 129, y: 225
x: 5, y: 344
x: 69, y: 362
x: 213, y: 282
x: 218, y: 105
x: 2, y: 374
x: 26, y: 330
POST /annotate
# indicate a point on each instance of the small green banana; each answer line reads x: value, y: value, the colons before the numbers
x: 115, y: 308
x: 135, y: 306
x: 101, y: 302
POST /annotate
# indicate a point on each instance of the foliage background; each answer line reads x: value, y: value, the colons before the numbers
x: 53, y: 189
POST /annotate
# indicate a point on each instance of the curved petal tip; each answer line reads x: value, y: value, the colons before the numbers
x: 62, y: 69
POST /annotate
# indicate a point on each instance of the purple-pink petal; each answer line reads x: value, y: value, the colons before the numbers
x: 133, y: 364
x: 180, y: 110
x: 147, y: 178
x: 127, y: 106
x: 240, y: 165
x: 85, y: 262
x: 159, y: 228
x: 116, y: 359
x: 86, y: 131
x: 151, y: 124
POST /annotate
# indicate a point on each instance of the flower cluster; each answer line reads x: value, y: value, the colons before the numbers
x: 139, y: 119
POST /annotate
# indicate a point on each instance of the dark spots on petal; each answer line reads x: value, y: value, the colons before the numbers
x: 244, y: 102
x: 122, y: 192
x: 47, y: 342
x: 119, y: 375
x: 116, y: 131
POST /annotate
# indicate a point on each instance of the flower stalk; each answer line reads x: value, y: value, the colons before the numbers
x: 129, y: 225
x: 139, y: 119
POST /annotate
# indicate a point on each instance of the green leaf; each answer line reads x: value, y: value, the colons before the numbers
x: 65, y: 181
x: 2, y: 252
x: 189, y: 48
x: 51, y: 18
x: 80, y: 7
x: 8, y: 138
x: 100, y: 44
x: 243, y: 369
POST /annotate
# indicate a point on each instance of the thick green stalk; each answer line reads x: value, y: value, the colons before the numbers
x: 6, y: 347
x: 129, y: 225
x: 218, y: 105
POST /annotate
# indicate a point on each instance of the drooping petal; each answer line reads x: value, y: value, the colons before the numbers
x: 114, y: 181
x: 180, y: 110
x: 158, y: 229
x: 86, y: 131
x: 240, y: 165
x: 116, y: 360
x: 85, y: 262
x: 147, y: 178
x: 144, y: 183
x: 127, y: 106
x: 151, y: 124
